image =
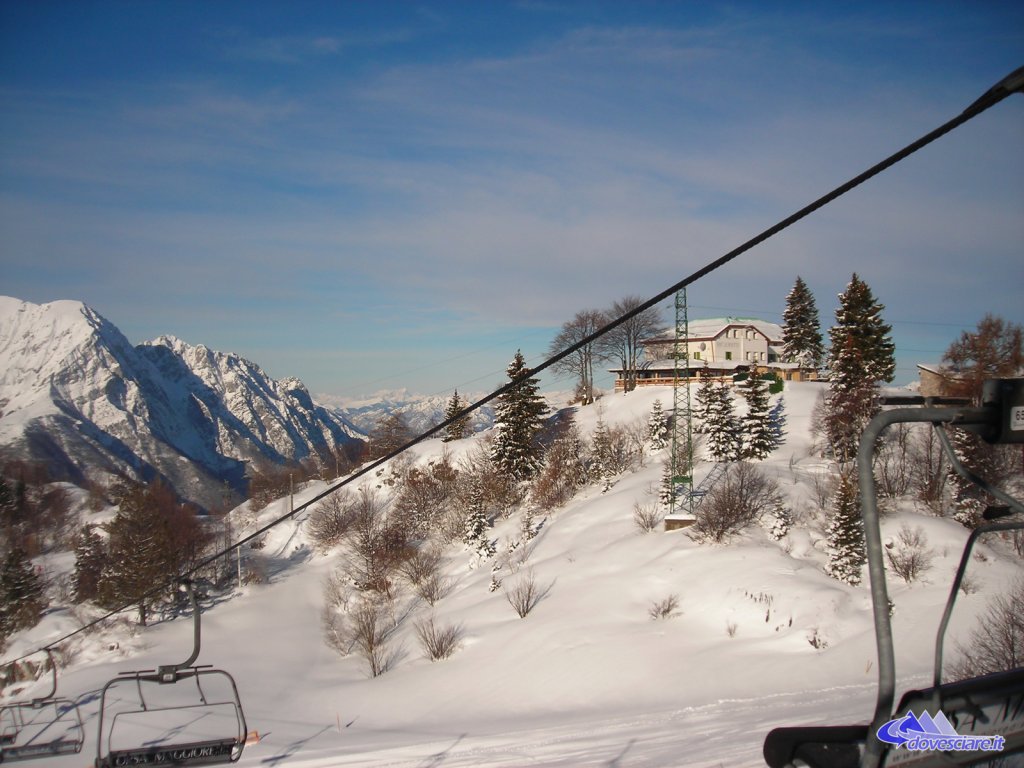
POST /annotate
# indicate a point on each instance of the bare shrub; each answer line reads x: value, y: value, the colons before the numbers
x: 331, y: 520
x: 739, y: 499
x: 908, y: 555
x: 377, y: 546
x: 968, y: 585
x: 892, y: 463
x: 438, y: 642
x: 665, y: 608
x: 1017, y: 540
x: 422, y: 563
x: 370, y: 629
x: 997, y: 643
x: 425, y: 496
x: 565, y: 469
x: 625, y: 446
x: 635, y: 435
x: 434, y: 588
x: 824, y: 486
x: 524, y: 596
x: 362, y: 624
x: 646, y: 516
x: 928, y: 470
x: 481, y: 483
x: 423, y: 572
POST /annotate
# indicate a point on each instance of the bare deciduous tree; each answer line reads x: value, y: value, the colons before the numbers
x: 581, y: 362
x: 624, y: 342
x: 997, y: 644
x: 377, y: 547
x: 331, y: 520
x: 739, y: 499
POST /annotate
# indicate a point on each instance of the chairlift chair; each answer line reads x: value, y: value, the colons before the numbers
x: 40, y: 727
x: 988, y: 705
x: 178, y: 714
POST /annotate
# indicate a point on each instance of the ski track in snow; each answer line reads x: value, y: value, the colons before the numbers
x: 725, y: 733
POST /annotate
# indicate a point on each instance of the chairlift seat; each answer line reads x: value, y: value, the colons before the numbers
x: 34, y: 729
x: 169, y: 686
x: 41, y: 727
x: 194, y: 753
x: 196, y: 748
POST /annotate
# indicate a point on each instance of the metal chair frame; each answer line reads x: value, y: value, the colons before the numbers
x: 13, y: 723
x: 227, y: 749
x: 978, y: 705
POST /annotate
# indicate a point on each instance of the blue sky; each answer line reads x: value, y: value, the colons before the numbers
x: 384, y: 195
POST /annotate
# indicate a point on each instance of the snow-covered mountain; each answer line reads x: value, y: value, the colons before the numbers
x: 421, y: 412
x: 76, y: 394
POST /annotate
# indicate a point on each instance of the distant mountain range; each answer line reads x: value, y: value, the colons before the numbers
x: 77, y: 395
x: 421, y: 412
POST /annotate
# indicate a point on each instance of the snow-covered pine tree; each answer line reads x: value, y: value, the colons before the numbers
x: 706, y: 395
x: 777, y: 421
x: 721, y: 426
x: 518, y: 418
x: 459, y: 427
x: 22, y: 593
x: 758, y: 440
x: 601, y: 461
x: 969, y: 501
x: 862, y: 355
x: 667, y: 487
x: 846, y: 552
x: 860, y: 330
x: 657, y: 427
x: 477, y: 524
x: 778, y: 521
x: 90, y: 557
x: 850, y: 403
x: 801, y: 330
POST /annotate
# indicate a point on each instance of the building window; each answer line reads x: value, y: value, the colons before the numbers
x: 696, y: 355
x: 728, y: 355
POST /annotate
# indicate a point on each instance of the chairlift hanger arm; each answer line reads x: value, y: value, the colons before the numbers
x: 985, y: 421
x: 873, y: 545
x: 170, y: 672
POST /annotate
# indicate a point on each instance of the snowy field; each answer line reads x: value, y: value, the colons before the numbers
x: 761, y: 637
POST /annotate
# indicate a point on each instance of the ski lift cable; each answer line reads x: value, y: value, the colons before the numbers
x: 1012, y: 83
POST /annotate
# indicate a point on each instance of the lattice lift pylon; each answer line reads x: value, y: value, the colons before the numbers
x: 682, y: 430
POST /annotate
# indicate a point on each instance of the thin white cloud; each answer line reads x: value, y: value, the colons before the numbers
x: 513, y: 188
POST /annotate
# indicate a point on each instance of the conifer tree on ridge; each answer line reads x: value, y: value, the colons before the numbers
x: 458, y: 428
x: 518, y: 418
x: 801, y: 329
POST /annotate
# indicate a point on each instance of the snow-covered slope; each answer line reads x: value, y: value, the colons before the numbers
x: 77, y: 395
x: 761, y: 636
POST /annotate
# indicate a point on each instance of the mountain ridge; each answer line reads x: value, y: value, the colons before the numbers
x: 76, y: 395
